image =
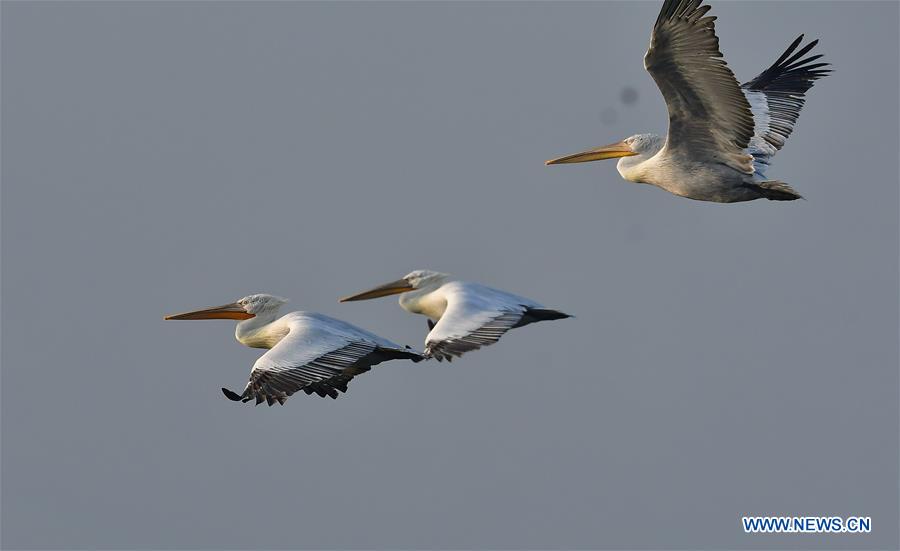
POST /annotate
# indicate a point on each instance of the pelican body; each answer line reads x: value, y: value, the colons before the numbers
x: 722, y: 136
x: 307, y: 351
x: 462, y: 316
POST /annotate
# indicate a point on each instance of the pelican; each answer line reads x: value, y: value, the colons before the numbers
x: 307, y: 351
x: 462, y: 316
x: 722, y: 136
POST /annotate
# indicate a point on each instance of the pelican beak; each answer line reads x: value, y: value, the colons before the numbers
x: 392, y: 288
x: 611, y: 151
x: 233, y: 311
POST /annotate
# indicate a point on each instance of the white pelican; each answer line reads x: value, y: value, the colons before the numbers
x: 462, y: 316
x: 722, y: 136
x: 307, y: 351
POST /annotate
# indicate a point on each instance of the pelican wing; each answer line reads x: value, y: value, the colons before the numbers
x: 475, y: 316
x: 709, y: 117
x: 318, y: 355
x: 776, y: 97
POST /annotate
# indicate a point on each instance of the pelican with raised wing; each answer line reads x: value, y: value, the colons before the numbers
x: 307, y: 351
x: 462, y: 316
x: 722, y: 136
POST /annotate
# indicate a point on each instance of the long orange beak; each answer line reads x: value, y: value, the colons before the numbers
x: 611, y: 151
x: 233, y: 311
x: 392, y: 288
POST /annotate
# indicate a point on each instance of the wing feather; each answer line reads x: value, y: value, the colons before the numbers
x: 319, y: 355
x: 708, y: 113
x: 459, y: 341
x: 476, y: 316
x: 776, y: 97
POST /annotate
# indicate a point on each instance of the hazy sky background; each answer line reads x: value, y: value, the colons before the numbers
x: 726, y: 359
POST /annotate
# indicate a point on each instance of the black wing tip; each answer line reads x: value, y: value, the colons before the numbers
x: 562, y: 315
x: 439, y: 355
x: 681, y: 8
x: 790, y: 52
x: 775, y: 190
x: 792, y: 73
x: 555, y: 315
x: 231, y: 395
x: 533, y: 315
x: 235, y: 397
x: 407, y: 353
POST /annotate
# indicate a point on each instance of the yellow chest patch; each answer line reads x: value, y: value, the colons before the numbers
x: 432, y: 305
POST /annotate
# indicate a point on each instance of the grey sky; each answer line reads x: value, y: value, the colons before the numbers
x: 726, y: 359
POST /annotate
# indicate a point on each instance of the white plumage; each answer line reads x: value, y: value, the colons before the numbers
x: 462, y: 316
x: 311, y: 352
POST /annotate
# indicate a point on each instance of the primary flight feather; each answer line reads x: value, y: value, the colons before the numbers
x: 307, y: 351
x: 722, y: 135
x: 462, y: 315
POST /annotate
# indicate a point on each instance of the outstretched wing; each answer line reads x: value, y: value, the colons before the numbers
x: 776, y: 97
x: 461, y: 334
x: 318, y: 355
x: 475, y: 316
x: 709, y: 117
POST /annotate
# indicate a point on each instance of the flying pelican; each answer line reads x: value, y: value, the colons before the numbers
x: 307, y: 351
x: 462, y: 316
x: 722, y: 136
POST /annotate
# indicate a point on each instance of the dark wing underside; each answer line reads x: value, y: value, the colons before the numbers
x: 326, y: 375
x: 485, y: 334
x: 461, y: 334
x: 709, y: 117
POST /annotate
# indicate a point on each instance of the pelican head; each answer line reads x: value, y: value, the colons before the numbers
x: 413, y: 281
x: 639, y: 144
x: 248, y: 307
